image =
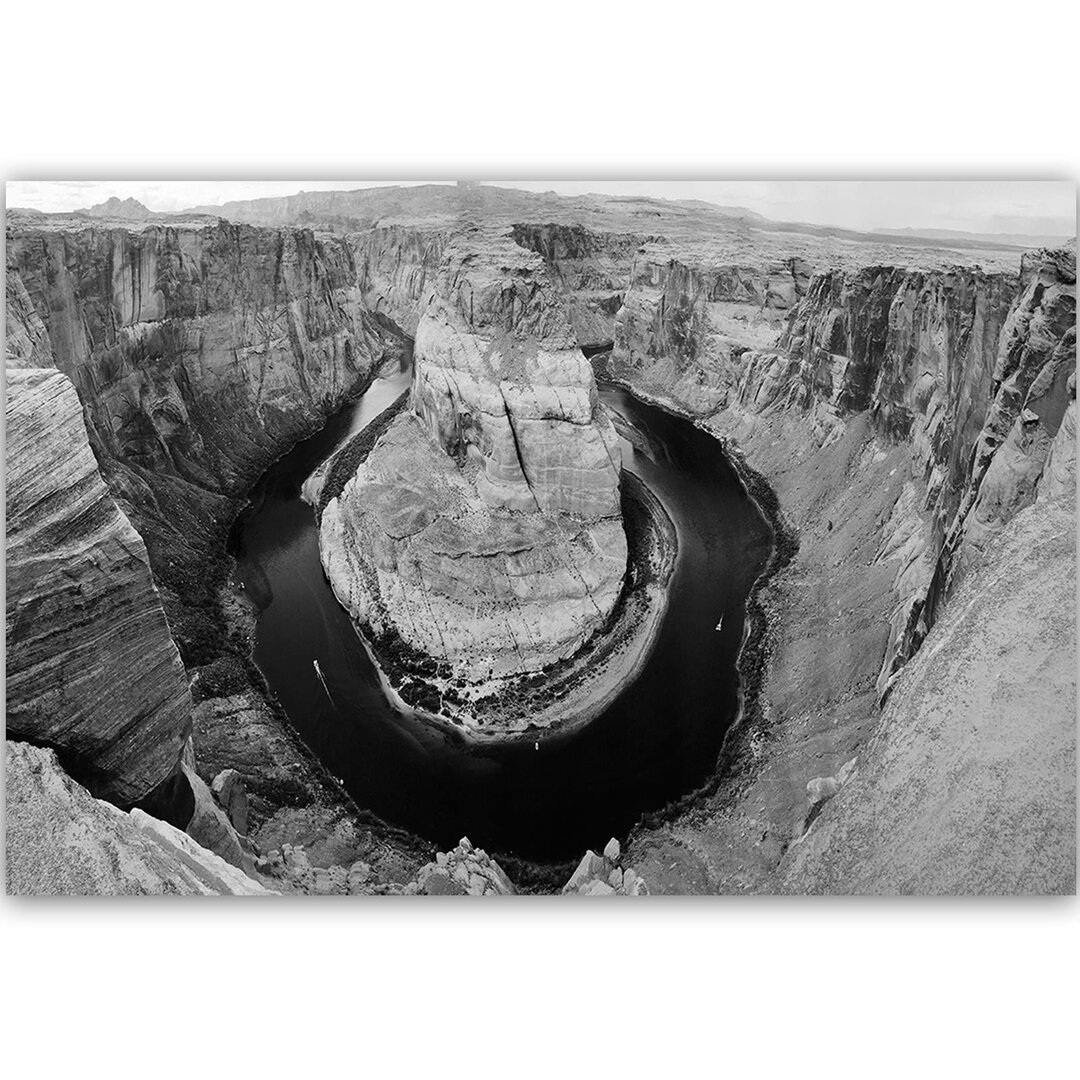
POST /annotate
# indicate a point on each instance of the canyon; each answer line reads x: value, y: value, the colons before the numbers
x: 902, y: 409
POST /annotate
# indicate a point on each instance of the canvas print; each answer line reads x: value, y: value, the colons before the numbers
x: 572, y: 538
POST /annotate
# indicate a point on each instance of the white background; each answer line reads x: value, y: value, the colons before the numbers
x: 724, y: 987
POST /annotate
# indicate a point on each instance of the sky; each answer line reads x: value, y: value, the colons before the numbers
x: 1010, y: 206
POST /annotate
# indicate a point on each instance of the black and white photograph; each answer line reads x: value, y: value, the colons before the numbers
x: 484, y: 539
x: 540, y: 540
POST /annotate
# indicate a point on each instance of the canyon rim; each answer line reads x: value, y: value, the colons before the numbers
x: 472, y: 540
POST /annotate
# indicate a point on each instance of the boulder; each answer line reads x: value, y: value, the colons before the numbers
x: 599, y: 875
x: 463, y: 871
x: 210, y: 826
x: 231, y: 795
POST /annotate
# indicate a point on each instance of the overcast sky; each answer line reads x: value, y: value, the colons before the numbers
x: 976, y: 205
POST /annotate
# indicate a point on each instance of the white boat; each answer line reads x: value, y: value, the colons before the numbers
x: 318, y: 671
x: 720, y: 624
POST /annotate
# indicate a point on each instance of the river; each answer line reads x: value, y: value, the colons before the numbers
x: 658, y: 740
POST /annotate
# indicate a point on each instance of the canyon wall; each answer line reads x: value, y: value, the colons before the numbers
x: 92, y: 669
x: 970, y: 370
x: 870, y: 415
x: 969, y: 783
x: 485, y: 528
x: 200, y: 350
x: 593, y: 269
x: 685, y: 321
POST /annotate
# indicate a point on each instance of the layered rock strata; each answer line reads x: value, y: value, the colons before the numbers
x: 484, y: 528
x: 200, y: 351
x: 875, y: 496
x: 92, y: 669
x: 684, y: 322
x: 964, y: 368
x: 593, y: 268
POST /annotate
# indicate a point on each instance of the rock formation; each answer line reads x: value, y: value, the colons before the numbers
x: 62, y: 841
x: 200, y: 350
x: 921, y: 405
x: 969, y: 786
x: 945, y: 361
x: 91, y: 667
x: 115, y: 209
x: 592, y: 267
x: 884, y: 409
x: 1034, y: 380
x: 603, y: 875
x: 685, y: 322
x: 484, y: 528
x: 464, y: 871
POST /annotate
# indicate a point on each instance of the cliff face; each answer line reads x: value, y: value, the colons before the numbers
x: 593, y: 269
x: 977, y: 742
x: 200, y: 351
x: 92, y: 669
x: 684, y: 324
x: 1034, y: 387
x: 484, y: 528
x: 967, y: 369
x: 875, y: 495
x: 397, y: 270
x: 917, y: 350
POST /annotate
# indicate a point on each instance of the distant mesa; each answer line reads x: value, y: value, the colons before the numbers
x: 119, y: 208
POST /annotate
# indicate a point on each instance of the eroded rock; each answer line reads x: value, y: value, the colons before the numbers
x: 231, y: 795
x: 600, y: 875
x: 977, y: 741
x: 63, y: 841
x: 92, y: 669
x: 484, y: 527
x: 464, y: 871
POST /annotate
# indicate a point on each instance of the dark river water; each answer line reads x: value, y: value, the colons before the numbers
x: 658, y: 740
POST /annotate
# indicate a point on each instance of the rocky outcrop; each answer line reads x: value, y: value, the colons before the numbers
x: 397, y: 270
x: 464, y: 871
x: 230, y: 794
x: 593, y: 268
x: 211, y: 827
x: 61, y: 841
x: 1058, y: 480
x: 484, y: 528
x: 969, y: 785
x: 602, y: 875
x: 92, y: 670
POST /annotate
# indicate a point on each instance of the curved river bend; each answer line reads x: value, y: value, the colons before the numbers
x: 658, y: 740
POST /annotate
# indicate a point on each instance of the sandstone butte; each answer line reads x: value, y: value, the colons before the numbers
x: 484, y: 528
x: 911, y: 407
